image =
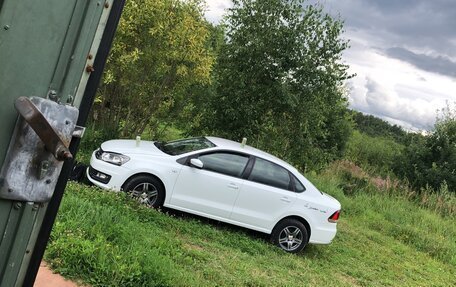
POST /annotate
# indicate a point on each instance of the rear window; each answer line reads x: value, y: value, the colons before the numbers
x: 269, y: 173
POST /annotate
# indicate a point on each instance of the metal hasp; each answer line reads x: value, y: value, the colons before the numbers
x: 43, y: 129
x: 37, y: 149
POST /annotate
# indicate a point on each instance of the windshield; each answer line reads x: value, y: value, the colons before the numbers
x: 183, y: 146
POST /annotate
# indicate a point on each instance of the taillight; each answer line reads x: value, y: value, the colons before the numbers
x: 334, y: 217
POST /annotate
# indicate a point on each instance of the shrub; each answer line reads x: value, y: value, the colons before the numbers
x: 379, y: 153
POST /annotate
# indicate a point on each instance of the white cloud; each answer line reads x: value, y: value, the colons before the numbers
x: 216, y: 9
x: 422, y: 35
x: 395, y: 90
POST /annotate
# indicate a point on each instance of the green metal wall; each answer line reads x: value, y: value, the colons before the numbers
x: 44, y: 46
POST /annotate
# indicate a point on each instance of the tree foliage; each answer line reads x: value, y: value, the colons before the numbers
x: 280, y: 81
x: 431, y: 161
x: 379, y: 153
x: 160, y: 49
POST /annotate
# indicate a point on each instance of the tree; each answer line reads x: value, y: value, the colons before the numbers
x: 431, y: 161
x: 189, y: 119
x: 160, y: 50
x: 279, y: 81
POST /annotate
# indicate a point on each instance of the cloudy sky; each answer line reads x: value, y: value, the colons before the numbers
x: 403, y: 52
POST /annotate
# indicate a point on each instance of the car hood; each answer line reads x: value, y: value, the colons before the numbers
x: 130, y: 147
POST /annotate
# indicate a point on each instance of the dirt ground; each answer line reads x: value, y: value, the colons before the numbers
x: 46, y: 278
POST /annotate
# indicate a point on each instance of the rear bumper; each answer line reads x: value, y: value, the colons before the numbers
x: 323, y: 235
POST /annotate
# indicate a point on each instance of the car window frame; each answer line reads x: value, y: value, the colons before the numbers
x: 186, y: 160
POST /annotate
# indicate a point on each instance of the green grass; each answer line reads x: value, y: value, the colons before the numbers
x: 105, y: 239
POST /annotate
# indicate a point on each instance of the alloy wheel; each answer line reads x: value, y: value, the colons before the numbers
x: 290, y: 238
x: 146, y: 193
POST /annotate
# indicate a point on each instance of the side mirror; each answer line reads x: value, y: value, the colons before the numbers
x: 196, y: 163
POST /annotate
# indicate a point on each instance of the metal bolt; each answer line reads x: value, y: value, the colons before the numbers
x: 10, y: 190
x: 106, y: 5
x: 6, y: 27
x: 90, y: 56
x: 48, y: 181
x: 67, y: 155
x: 52, y: 94
x: 27, y: 251
x: 17, y: 205
x: 44, y: 167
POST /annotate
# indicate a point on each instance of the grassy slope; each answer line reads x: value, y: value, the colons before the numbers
x: 106, y: 240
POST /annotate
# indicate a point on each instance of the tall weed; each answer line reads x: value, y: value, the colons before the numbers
x: 353, y: 179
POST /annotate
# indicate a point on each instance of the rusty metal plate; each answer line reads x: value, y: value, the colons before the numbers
x: 30, y: 171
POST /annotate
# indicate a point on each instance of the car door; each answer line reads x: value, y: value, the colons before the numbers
x: 265, y: 196
x: 212, y: 189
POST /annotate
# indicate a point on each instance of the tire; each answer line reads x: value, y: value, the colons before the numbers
x: 146, y: 189
x: 290, y: 235
x: 78, y: 172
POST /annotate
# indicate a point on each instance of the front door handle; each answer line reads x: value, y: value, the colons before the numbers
x: 285, y: 199
x: 233, y: 186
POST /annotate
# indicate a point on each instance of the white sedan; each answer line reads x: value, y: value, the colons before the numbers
x: 222, y: 180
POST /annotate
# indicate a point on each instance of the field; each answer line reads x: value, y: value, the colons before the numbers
x: 384, y: 239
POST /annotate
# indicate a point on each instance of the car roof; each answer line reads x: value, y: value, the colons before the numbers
x: 222, y: 143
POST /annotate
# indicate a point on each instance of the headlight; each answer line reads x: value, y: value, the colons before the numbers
x: 114, y: 158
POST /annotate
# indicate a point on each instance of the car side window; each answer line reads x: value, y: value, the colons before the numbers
x: 226, y: 163
x: 269, y: 173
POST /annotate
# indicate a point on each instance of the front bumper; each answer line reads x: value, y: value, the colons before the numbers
x: 98, y: 175
x: 106, y: 175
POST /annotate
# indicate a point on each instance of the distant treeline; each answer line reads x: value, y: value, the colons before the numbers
x: 376, y: 127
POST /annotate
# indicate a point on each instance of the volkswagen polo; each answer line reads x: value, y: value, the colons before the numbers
x: 222, y: 180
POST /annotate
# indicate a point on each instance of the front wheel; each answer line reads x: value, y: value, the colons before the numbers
x: 290, y: 235
x: 146, y: 190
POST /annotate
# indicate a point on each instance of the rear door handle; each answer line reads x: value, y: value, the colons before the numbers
x: 233, y: 186
x: 285, y: 199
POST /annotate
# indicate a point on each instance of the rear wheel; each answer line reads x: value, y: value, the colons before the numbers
x: 290, y: 235
x: 146, y: 189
